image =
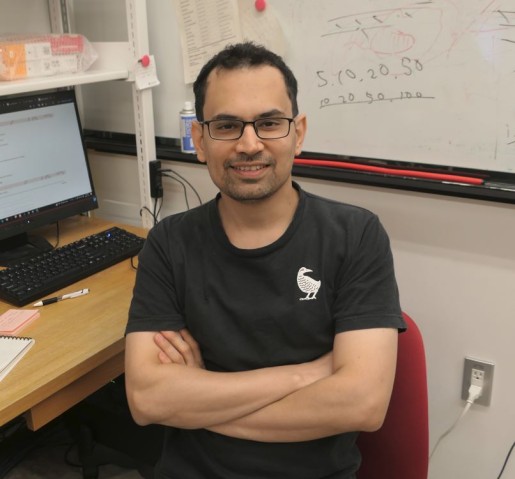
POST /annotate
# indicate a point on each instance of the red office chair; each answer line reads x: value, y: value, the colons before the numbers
x: 400, y: 449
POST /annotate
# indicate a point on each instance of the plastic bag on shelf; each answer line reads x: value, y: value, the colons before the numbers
x: 32, y: 56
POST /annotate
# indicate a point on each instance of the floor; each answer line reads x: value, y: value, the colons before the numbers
x: 53, y: 454
x: 100, y: 420
x: 51, y: 462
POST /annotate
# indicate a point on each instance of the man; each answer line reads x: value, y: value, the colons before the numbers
x: 276, y: 311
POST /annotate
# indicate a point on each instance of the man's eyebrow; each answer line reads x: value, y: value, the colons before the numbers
x: 267, y: 114
x: 224, y: 116
x: 271, y: 113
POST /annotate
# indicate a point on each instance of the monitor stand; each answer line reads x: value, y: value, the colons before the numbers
x: 22, y: 247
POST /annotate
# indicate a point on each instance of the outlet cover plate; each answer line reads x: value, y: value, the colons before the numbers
x: 488, y: 368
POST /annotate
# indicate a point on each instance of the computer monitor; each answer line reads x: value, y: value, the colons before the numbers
x: 44, y: 171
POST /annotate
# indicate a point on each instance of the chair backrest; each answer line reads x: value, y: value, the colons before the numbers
x: 400, y: 449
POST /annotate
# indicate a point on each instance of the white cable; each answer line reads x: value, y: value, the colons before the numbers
x: 474, y: 393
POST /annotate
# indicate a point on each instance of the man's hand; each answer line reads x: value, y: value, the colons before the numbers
x: 178, y: 347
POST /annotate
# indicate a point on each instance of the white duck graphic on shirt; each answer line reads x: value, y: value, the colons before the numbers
x: 307, y: 285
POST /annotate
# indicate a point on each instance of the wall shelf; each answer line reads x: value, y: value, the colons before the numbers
x: 60, y: 81
x: 111, y: 64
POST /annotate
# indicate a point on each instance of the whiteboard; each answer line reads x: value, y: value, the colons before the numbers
x: 428, y: 82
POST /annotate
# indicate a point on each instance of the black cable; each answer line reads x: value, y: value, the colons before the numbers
x: 506, y: 460
x: 144, y: 208
x: 189, y: 184
x: 156, y: 209
x: 183, y: 188
x: 57, y: 233
x: 154, y: 214
x: 185, y: 180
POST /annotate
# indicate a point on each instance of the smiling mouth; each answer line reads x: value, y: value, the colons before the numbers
x: 249, y: 167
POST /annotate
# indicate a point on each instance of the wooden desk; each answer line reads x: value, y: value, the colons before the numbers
x: 79, y: 343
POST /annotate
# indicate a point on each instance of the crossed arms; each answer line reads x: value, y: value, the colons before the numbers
x: 346, y: 390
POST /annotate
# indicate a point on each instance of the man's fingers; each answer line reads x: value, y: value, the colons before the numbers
x: 181, y: 346
x: 164, y: 358
x: 195, y: 348
x: 166, y: 343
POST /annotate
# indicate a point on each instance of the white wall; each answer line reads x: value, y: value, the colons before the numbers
x: 455, y: 264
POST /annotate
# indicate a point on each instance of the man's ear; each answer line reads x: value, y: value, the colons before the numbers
x: 300, y: 132
x: 197, y: 135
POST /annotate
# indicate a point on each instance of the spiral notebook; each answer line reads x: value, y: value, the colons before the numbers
x: 12, y: 349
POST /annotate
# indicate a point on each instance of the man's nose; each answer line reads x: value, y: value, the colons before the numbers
x: 249, y: 141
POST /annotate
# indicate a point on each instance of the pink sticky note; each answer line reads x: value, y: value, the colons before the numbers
x: 14, y: 320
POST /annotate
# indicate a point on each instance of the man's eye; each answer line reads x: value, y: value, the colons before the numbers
x: 269, y: 123
x: 226, y: 125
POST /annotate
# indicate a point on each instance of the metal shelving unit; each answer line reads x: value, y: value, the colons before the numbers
x: 116, y: 61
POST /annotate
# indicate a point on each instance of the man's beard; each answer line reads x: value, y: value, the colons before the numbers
x: 236, y: 189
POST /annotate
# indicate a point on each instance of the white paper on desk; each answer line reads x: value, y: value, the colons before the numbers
x: 205, y: 28
x: 12, y: 350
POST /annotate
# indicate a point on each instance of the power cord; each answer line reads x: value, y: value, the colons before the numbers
x: 57, y: 234
x: 155, y: 212
x: 180, y: 179
x: 156, y: 189
x: 185, y: 192
x: 475, y: 391
x: 506, y: 460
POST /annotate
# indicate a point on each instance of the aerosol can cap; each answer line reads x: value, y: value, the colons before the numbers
x: 188, y: 106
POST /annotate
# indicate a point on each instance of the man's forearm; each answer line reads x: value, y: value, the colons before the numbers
x: 354, y: 398
x: 319, y: 410
x: 185, y: 398
x: 190, y: 398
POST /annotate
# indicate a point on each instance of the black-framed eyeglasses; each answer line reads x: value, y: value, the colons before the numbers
x: 265, y: 128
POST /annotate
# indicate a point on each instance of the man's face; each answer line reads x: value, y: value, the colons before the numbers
x: 249, y: 168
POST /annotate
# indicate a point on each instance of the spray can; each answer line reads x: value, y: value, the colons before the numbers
x: 187, y: 116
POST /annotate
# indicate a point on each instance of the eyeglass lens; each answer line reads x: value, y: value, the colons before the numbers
x: 265, y: 128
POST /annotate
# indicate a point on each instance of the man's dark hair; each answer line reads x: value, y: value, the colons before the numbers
x: 243, y: 55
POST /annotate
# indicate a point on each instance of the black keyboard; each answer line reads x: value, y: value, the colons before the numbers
x: 43, y: 274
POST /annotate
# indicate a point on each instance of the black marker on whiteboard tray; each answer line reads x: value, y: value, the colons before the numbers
x: 76, y: 294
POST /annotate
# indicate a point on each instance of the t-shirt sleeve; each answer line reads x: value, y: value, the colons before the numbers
x: 367, y: 296
x: 155, y: 305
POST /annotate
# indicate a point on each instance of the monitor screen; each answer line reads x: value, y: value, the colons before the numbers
x: 44, y: 170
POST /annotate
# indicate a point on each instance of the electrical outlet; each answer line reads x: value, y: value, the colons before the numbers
x: 155, y: 178
x: 480, y: 373
x: 477, y: 377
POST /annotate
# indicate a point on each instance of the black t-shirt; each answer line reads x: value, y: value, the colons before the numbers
x: 331, y: 271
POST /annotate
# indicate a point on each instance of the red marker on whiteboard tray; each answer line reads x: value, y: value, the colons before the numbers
x: 428, y: 175
x: 260, y: 5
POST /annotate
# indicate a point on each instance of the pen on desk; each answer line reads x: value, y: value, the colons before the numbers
x: 76, y: 294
